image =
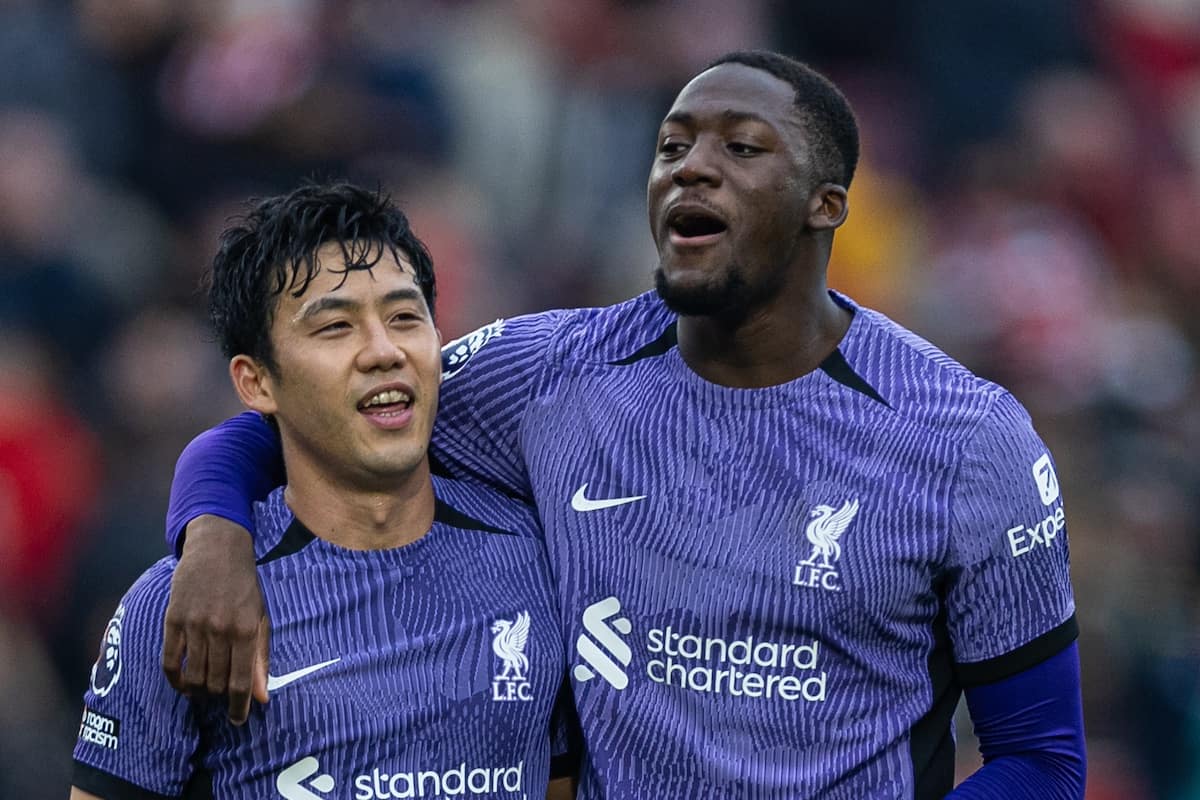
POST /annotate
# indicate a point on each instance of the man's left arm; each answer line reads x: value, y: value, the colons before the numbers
x: 1011, y: 613
x: 1030, y: 730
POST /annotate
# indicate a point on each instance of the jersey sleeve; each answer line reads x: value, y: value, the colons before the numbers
x: 137, y: 736
x: 223, y: 471
x: 489, y: 379
x: 1009, y: 603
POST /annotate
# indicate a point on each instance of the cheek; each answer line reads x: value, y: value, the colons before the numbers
x: 659, y: 177
x: 659, y: 181
x: 312, y: 385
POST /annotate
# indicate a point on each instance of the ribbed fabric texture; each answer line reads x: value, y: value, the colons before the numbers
x: 758, y: 622
x: 414, y: 685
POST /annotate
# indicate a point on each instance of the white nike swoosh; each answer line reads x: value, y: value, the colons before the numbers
x: 580, y: 502
x: 274, y: 683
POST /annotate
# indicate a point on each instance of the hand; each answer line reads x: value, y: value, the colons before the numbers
x: 216, y: 633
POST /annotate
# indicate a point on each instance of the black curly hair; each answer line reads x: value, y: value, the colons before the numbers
x: 273, y: 249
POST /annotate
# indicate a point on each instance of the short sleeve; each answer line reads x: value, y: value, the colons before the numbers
x: 489, y: 379
x: 1009, y: 602
x: 137, y: 736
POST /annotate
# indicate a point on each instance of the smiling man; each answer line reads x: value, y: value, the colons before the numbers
x: 781, y: 525
x: 416, y: 649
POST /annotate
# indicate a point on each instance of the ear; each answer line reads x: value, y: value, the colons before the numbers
x: 827, y: 207
x: 253, y: 383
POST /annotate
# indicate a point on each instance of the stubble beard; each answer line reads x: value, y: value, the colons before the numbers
x: 720, y: 296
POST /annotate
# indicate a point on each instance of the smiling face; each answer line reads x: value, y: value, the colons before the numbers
x: 357, y: 368
x: 729, y: 193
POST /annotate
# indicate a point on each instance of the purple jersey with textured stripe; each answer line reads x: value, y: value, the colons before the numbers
x: 428, y: 670
x: 776, y: 592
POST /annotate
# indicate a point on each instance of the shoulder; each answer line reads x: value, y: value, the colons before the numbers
x: 469, y: 505
x: 132, y: 638
x: 560, y: 335
x: 272, y: 517
x: 618, y: 333
x: 492, y: 536
x: 150, y: 592
x: 923, y: 384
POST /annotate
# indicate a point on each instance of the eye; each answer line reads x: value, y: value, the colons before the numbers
x: 744, y: 150
x: 333, y: 328
x: 671, y: 147
x: 407, y: 318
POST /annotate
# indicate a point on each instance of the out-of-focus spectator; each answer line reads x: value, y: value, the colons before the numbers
x: 49, y: 477
x: 1028, y: 198
x: 35, y: 718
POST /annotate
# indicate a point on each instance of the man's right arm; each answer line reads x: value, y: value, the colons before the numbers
x: 489, y: 379
x: 215, y: 629
x: 215, y: 623
x: 222, y: 472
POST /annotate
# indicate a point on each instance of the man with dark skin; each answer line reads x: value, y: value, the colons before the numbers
x: 741, y: 418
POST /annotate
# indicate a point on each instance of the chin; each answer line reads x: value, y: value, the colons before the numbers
x: 704, y: 299
x: 396, y: 466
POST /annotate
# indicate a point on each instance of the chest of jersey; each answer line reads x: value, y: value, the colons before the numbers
x: 386, y: 677
x: 744, y: 572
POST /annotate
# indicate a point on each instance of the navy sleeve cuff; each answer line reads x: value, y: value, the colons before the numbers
x: 1028, y: 655
x: 222, y: 472
x: 1030, y: 729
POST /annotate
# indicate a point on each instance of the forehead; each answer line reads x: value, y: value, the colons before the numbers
x: 383, y: 276
x: 737, y: 89
x: 360, y: 286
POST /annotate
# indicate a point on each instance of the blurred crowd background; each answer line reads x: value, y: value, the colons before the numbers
x: 1029, y: 199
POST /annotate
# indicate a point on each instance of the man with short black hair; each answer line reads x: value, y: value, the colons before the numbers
x: 416, y: 647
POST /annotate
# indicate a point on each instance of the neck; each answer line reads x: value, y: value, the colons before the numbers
x: 775, y: 342
x: 357, y: 518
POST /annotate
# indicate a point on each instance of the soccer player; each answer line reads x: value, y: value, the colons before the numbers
x: 415, y: 650
x: 786, y: 533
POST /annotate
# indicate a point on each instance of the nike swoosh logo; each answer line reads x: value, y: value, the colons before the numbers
x: 580, y: 501
x: 274, y: 683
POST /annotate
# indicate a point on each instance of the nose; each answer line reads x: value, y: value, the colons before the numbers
x: 379, y: 350
x: 697, y: 165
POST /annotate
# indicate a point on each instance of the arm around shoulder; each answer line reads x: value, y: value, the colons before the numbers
x: 222, y: 472
x: 490, y: 377
x: 217, y: 619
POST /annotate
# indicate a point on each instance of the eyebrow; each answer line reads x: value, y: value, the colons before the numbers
x: 333, y: 303
x: 728, y: 115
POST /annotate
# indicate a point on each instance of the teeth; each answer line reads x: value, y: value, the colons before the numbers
x: 387, y: 398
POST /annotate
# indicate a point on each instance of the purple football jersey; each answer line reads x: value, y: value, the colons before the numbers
x: 429, y: 670
x: 775, y: 592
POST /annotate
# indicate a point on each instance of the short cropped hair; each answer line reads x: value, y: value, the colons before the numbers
x: 824, y: 111
x: 273, y: 248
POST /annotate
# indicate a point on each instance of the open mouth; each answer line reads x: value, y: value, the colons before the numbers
x: 387, y: 403
x: 692, y: 226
